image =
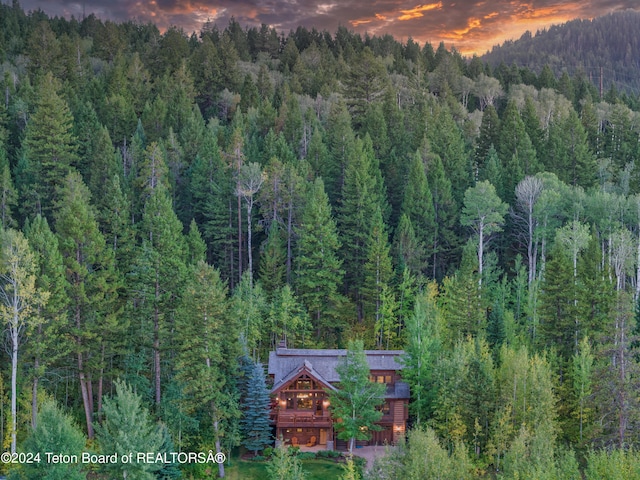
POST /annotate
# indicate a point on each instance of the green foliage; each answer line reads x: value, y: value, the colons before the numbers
x: 426, y: 458
x: 50, y: 150
x: 357, y: 397
x: 128, y: 427
x: 319, y: 269
x: 256, y: 429
x: 613, y: 465
x: 285, y: 465
x: 56, y: 432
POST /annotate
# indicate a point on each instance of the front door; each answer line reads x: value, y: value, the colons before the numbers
x: 323, y: 436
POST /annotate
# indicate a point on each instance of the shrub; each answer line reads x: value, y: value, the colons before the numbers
x: 267, y: 451
x: 306, y: 455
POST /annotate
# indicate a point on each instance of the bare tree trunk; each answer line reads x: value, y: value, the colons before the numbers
x: 156, y: 345
x: 14, y: 390
x: 249, y: 253
x: 218, y: 448
x: 239, y: 238
x: 101, y: 379
x: 34, y: 395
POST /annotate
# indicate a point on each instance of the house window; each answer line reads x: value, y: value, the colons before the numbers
x: 304, y: 401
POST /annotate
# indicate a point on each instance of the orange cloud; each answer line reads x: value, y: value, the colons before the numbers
x: 356, y: 23
x: 417, y: 12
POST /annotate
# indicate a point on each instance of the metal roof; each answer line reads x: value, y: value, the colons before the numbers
x: 284, y: 362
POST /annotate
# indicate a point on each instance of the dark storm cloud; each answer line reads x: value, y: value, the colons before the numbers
x: 471, y: 25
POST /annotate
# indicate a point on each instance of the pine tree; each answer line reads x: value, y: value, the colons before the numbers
x: 205, y: 346
x: 50, y: 149
x: 92, y: 286
x: 273, y: 256
x: 8, y: 194
x: 446, y: 141
x: 157, y: 274
x: 516, y: 152
x: 568, y: 154
x: 319, y: 269
x: 56, y: 432
x: 256, y: 429
x: 444, y: 240
x: 418, y: 203
x: 210, y: 187
x: 558, y: 310
x: 489, y: 136
x: 408, y: 250
x: 378, y: 272
x: 341, y: 142
x: 424, y: 342
x: 359, y: 202
x: 48, y: 340
x: 128, y: 427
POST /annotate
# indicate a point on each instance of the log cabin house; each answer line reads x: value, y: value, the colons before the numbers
x: 302, y: 380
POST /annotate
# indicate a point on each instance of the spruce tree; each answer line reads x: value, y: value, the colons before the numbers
x: 446, y: 141
x: 256, y: 429
x: 558, y: 309
x: 444, y: 241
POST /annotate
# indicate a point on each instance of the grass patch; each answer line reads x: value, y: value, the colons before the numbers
x: 315, y: 470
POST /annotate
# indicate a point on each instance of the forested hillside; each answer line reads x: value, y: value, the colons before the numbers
x: 174, y: 205
x: 607, y: 45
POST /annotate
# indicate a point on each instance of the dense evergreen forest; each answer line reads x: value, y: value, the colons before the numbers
x: 172, y: 206
x: 607, y: 45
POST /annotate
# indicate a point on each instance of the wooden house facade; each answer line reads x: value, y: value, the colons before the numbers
x: 302, y: 380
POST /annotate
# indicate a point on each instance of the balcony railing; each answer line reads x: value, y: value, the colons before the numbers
x: 302, y: 419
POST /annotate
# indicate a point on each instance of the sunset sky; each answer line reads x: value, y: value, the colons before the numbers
x: 472, y: 26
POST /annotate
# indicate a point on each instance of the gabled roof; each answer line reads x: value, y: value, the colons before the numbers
x: 305, y: 367
x: 285, y: 362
